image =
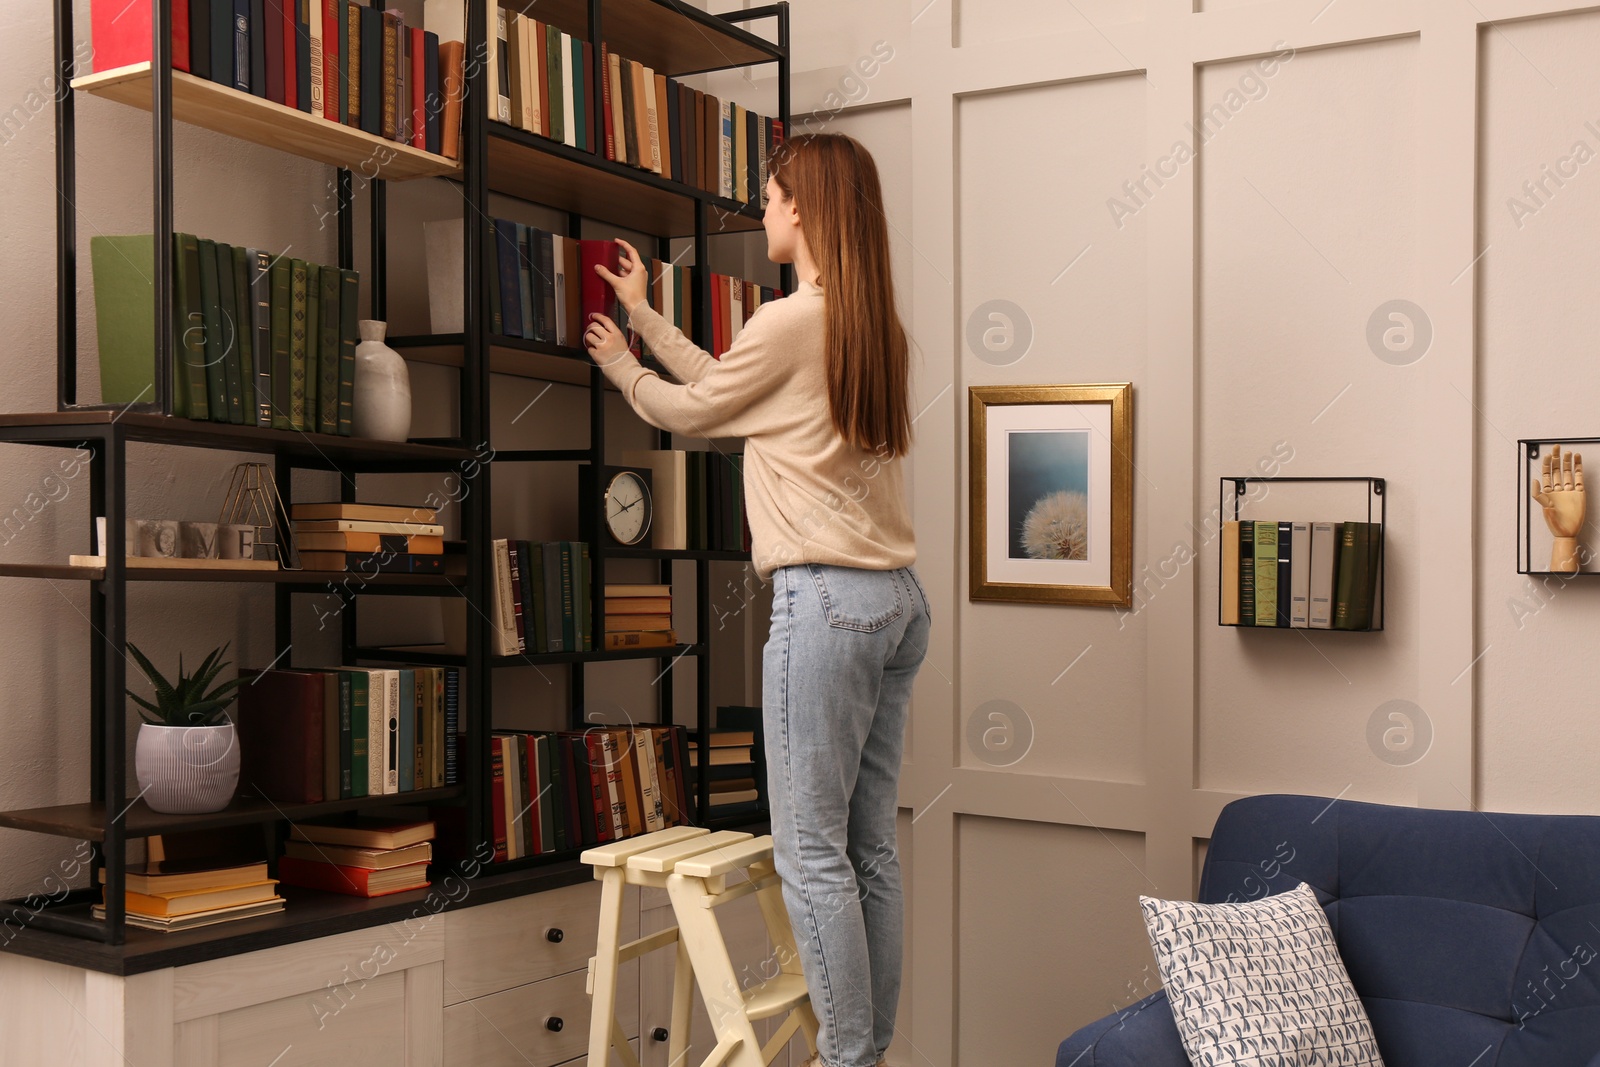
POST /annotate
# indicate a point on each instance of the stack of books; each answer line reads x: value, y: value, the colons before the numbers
x: 170, y: 895
x: 1302, y: 575
x: 554, y: 791
x: 735, y: 765
x: 541, y: 597
x: 369, y: 856
x: 698, y: 498
x: 369, y: 538
x: 262, y: 339
x: 639, y: 616
x: 307, y: 736
x: 341, y: 60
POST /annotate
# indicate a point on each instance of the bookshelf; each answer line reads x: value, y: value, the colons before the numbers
x: 1235, y: 492
x: 674, y: 40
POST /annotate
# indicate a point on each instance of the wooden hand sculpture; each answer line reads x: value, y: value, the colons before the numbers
x: 1559, y: 491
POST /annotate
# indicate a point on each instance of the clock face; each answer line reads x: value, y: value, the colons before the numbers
x: 627, y: 508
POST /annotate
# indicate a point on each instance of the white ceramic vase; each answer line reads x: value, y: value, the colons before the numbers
x: 382, y: 404
x: 183, y: 770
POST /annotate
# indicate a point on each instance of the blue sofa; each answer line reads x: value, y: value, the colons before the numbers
x: 1473, y: 938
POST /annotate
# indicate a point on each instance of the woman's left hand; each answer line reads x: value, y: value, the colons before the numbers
x: 603, y: 340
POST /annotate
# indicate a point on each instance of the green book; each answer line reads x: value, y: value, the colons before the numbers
x: 558, y: 788
x: 349, y: 336
x: 1352, y: 603
x: 313, y: 344
x: 328, y: 354
x: 297, y: 344
x: 585, y: 613
x: 231, y: 335
x: 124, y: 304
x: 553, y: 66
x: 580, y: 135
x: 282, y: 279
x: 345, y: 686
x: 189, y: 389
x: 244, y: 327
x: 534, y: 576
x: 358, y: 734
x: 1266, y: 573
x: 569, y: 637
x: 259, y: 391
x: 211, y: 317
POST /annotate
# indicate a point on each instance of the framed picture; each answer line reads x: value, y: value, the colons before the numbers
x: 1051, y: 493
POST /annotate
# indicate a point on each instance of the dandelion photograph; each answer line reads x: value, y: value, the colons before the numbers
x: 1050, y: 494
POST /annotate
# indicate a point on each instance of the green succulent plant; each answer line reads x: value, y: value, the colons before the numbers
x: 186, y: 703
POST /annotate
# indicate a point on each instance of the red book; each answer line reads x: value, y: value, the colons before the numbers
x: 719, y: 312
x: 291, y: 52
x: 352, y: 881
x: 497, y: 804
x: 536, y: 787
x: 272, y: 15
x: 598, y: 296
x: 592, y: 113
x: 122, y: 32
x: 332, y: 34
x: 279, y: 727
x: 417, y: 86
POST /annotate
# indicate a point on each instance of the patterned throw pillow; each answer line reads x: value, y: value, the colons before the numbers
x: 1259, y: 984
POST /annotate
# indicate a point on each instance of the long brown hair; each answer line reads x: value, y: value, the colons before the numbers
x: 834, y: 183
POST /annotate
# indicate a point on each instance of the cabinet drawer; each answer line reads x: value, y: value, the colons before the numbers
x: 507, y: 943
x: 512, y: 1027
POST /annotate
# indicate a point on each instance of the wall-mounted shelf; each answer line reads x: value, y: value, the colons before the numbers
x: 1366, y: 569
x: 1534, y: 540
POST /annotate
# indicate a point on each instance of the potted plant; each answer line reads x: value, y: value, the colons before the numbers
x: 186, y: 757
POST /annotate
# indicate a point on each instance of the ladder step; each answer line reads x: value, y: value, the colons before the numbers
x: 775, y: 996
x: 662, y: 860
x: 618, y: 853
x: 727, y: 860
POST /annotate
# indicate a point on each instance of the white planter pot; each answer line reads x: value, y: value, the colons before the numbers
x: 183, y: 770
x: 382, y: 403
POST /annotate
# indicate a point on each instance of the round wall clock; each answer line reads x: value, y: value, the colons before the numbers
x: 627, y: 508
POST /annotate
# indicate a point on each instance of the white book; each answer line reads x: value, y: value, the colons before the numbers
x: 314, y: 27
x: 505, y: 619
x: 618, y: 132
x: 569, y: 129
x: 644, y: 749
x: 514, y: 798
x: 725, y: 151
x: 391, y: 733
x: 614, y: 786
x: 532, y: 111
x: 652, y: 122
x: 558, y: 248
x: 1300, y: 575
x: 1324, y: 554
x: 499, y: 64
x: 669, y: 527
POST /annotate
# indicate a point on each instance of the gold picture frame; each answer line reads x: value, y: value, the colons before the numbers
x: 1050, y: 494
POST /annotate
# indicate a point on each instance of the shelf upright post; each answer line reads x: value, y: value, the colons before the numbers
x: 112, y: 667
x: 66, y: 214
x: 161, y: 145
x: 282, y: 598
x: 702, y: 633
x: 473, y: 764
x: 666, y: 676
x: 597, y: 87
x: 595, y: 521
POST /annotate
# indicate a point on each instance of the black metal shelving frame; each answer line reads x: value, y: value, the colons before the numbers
x: 1232, y: 489
x: 1529, y: 452
x: 106, y: 431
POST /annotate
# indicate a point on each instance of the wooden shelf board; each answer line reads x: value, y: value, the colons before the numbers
x: 315, y: 579
x: 320, y: 450
x: 204, y: 103
x: 87, y: 822
x: 541, y: 171
x: 669, y: 38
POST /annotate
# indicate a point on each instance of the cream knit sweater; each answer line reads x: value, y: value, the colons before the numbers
x: 810, y: 496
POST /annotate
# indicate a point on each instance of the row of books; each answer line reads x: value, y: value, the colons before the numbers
x: 548, y: 287
x: 308, y: 736
x: 261, y: 339
x: 639, y: 616
x: 573, y: 789
x: 368, y: 538
x: 360, y: 856
x: 1305, y: 575
x: 541, y: 597
x: 698, y: 498
x: 162, y: 895
x: 544, y: 76
x: 735, y: 765
x: 341, y: 60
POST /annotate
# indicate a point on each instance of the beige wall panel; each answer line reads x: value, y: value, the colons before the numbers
x: 1073, y: 288
x: 989, y: 21
x: 1307, y: 198
x: 1540, y: 112
x: 1081, y: 960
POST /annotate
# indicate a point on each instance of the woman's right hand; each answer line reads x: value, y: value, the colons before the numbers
x: 632, y: 285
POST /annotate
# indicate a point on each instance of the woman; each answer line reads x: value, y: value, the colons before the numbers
x: 817, y: 385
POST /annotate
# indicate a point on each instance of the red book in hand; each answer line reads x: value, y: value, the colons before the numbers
x: 122, y: 33
x: 598, y: 296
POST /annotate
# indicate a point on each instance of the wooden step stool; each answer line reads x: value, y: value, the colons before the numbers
x: 693, y: 865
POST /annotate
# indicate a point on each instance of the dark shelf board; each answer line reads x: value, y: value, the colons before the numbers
x: 1301, y: 629
x: 87, y: 822
x: 300, y: 581
x: 516, y: 357
x: 669, y: 37
x: 312, y: 450
x: 542, y: 171
x: 432, y: 655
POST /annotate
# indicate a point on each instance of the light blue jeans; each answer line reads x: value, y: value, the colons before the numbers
x: 843, y: 650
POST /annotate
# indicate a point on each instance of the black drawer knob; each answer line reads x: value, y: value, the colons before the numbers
x: 554, y: 1024
x: 554, y: 935
x: 659, y: 1034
